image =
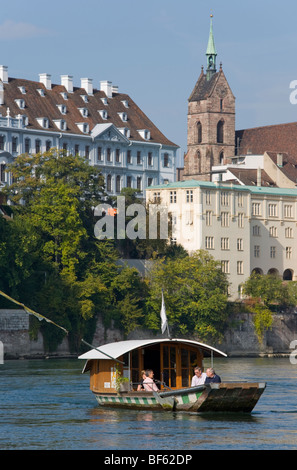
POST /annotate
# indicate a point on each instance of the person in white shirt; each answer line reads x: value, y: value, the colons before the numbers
x: 199, y: 377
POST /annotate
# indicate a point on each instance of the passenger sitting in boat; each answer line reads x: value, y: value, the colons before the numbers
x: 143, y: 377
x: 199, y: 377
x: 148, y: 383
x: 211, y: 376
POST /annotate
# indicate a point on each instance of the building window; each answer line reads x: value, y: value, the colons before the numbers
x: 2, y: 172
x: 189, y: 195
x: 256, y: 208
x: 27, y: 145
x: 117, y: 155
x: 240, y: 219
x: 199, y: 132
x: 149, y: 181
x: 118, y: 184
x: 76, y: 149
x: 65, y: 147
x: 37, y: 145
x: 150, y: 159
x: 108, y: 183
x: 48, y: 145
x: 99, y: 154
x: 288, y: 232
x: 14, y: 144
x: 239, y: 244
x: 208, y: 197
x: 225, y: 198
x: 220, y: 132
x: 138, y: 157
x: 240, y: 199
x: 209, y: 243
x: 272, y: 210
x: 166, y: 160
x: 256, y: 231
x: 172, y: 197
x: 225, y: 217
x: 129, y: 182
x: 157, y: 198
x: 272, y: 251
x: 256, y: 251
x: 224, y: 243
x: 273, y: 232
x: 2, y: 140
x: 225, y: 266
x: 109, y: 154
x: 129, y: 157
x: 139, y: 181
x: 288, y: 252
x: 87, y: 151
x: 288, y: 211
x: 239, y: 267
x: 208, y: 218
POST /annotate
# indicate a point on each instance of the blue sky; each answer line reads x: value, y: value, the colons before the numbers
x: 153, y: 50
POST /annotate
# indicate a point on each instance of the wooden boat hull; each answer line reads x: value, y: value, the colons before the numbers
x: 223, y: 397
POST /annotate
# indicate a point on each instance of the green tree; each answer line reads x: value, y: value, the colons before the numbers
x: 195, y: 293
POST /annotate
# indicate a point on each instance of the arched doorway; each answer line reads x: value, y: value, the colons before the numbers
x: 288, y: 275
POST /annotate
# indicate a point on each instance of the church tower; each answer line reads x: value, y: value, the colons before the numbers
x: 211, y: 120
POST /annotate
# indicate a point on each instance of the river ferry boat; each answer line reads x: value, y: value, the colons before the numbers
x: 115, y: 375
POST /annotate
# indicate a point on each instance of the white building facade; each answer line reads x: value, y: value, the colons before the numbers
x: 102, y: 125
x: 247, y: 228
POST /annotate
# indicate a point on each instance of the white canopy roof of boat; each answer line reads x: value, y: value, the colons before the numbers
x: 117, y: 349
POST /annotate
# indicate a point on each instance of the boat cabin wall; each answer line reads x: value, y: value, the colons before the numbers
x: 172, y: 364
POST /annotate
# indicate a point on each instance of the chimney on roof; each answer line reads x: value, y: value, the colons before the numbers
x: 87, y: 84
x: 46, y: 79
x: 4, y: 73
x: 106, y: 86
x: 67, y: 82
x: 279, y: 159
x: 259, y: 176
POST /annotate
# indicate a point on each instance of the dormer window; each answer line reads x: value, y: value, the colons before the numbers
x: 84, y: 98
x: 125, y: 103
x: 103, y: 113
x: 21, y: 103
x: 84, y: 112
x: 62, y: 108
x: 64, y: 95
x: 125, y: 131
x: 22, y: 89
x: 123, y: 116
x: 83, y: 127
x: 145, y: 134
x: 104, y: 101
x: 43, y: 122
x: 25, y: 120
x: 41, y: 92
x: 61, y: 124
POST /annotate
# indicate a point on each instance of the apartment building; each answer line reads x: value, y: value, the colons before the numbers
x: 101, y: 124
x: 246, y: 228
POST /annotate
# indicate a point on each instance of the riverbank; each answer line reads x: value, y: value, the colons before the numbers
x: 240, y: 339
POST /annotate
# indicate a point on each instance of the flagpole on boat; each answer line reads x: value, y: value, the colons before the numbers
x: 164, y: 321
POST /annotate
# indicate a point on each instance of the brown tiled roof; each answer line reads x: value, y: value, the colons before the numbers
x: 46, y: 106
x: 277, y: 138
x: 248, y: 177
x: 289, y: 164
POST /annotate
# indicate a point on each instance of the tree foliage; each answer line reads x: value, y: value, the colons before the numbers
x: 195, y: 292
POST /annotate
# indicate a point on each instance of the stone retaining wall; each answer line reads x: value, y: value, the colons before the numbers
x: 239, y: 340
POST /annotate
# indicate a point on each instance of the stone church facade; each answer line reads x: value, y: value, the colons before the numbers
x: 211, y: 120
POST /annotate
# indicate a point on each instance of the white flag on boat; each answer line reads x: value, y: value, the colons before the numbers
x: 164, y: 323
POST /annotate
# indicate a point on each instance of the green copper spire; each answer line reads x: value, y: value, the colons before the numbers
x: 211, y: 53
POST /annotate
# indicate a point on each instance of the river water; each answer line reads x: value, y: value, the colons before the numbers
x: 47, y: 405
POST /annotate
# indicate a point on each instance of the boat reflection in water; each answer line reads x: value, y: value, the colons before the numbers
x: 173, y: 361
